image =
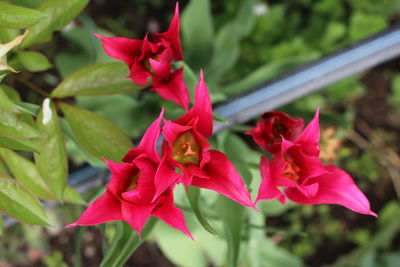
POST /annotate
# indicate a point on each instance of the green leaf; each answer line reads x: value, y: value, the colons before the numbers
x: 52, y: 161
x: 1, y: 224
x: 97, y: 135
x: 233, y: 216
x: 193, y: 195
x: 33, y: 61
x: 227, y: 43
x: 11, y: 126
x: 98, y: 79
x: 18, y: 143
x: 125, y: 242
x: 198, y: 33
x: 18, y: 17
x: 59, y: 14
x: 263, y: 74
x: 19, y: 203
x: 27, y: 174
x: 6, y: 103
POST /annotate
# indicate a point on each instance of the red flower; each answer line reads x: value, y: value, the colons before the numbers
x: 305, y: 180
x: 153, y: 59
x: 272, y: 126
x: 130, y: 193
x: 185, y: 148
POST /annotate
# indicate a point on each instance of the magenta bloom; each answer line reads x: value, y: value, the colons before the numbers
x: 130, y: 193
x: 185, y: 148
x: 153, y: 58
x: 305, y: 180
x: 272, y: 126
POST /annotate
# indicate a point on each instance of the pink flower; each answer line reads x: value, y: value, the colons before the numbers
x: 185, y: 148
x: 153, y: 59
x: 272, y: 126
x: 305, y: 180
x: 130, y: 193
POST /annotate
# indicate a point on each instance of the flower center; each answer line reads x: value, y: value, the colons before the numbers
x: 185, y: 149
x: 132, y: 184
x: 291, y: 170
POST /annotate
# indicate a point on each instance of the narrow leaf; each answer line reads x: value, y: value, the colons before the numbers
x: 233, y: 216
x: 33, y: 61
x: 11, y: 126
x: 98, y: 79
x: 198, y: 33
x: 52, y: 160
x: 59, y: 14
x: 6, y: 103
x: 125, y: 242
x: 18, y: 143
x: 18, y: 17
x: 193, y: 195
x: 19, y: 203
x: 97, y: 135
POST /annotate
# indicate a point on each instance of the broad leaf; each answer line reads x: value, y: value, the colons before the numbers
x: 98, y: 79
x: 125, y: 242
x: 52, y: 160
x: 193, y: 195
x: 19, y: 203
x: 233, y: 216
x: 33, y: 61
x: 6, y: 103
x: 97, y: 135
x: 27, y: 174
x: 11, y: 126
x: 59, y: 14
x: 198, y: 33
x: 18, y: 143
x: 18, y: 17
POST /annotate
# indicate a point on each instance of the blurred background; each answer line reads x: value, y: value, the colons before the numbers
x: 360, y: 129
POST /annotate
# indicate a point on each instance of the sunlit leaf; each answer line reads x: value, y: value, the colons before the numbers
x: 19, y: 203
x: 97, y: 135
x: 98, y: 79
x: 52, y: 159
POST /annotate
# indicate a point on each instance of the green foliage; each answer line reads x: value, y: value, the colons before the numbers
x: 19, y: 203
x: 124, y: 243
x: 58, y: 14
x: 97, y: 135
x: 98, y: 79
x: 18, y: 17
x: 51, y: 160
x: 33, y: 61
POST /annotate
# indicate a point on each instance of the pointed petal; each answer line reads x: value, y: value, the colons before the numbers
x: 104, y: 209
x: 172, y: 130
x: 121, y: 176
x: 173, y: 89
x: 165, y: 178
x: 136, y: 215
x: 148, y: 143
x: 309, y: 138
x: 139, y: 74
x: 121, y: 48
x: 162, y: 68
x: 224, y: 179
x: 335, y: 188
x: 269, y: 186
x: 172, y: 35
x: 201, y: 109
x: 170, y: 214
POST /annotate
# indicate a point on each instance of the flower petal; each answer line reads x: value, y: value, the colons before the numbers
x: 201, y: 109
x: 136, y: 215
x: 309, y: 138
x: 335, y: 187
x: 165, y: 177
x: 224, y: 179
x: 174, y: 88
x: 121, y: 176
x: 269, y: 187
x: 172, y: 35
x: 121, y: 48
x: 170, y: 214
x: 148, y: 143
x: 104, y: 209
